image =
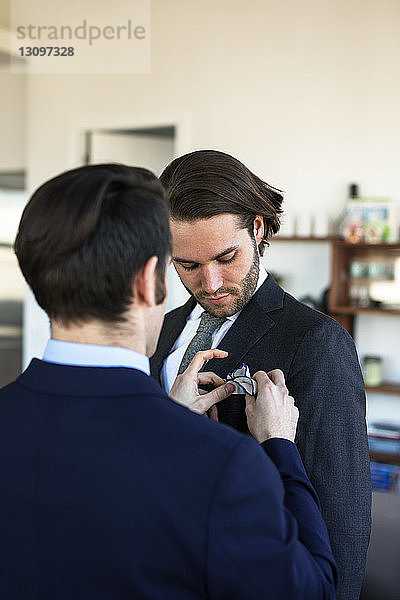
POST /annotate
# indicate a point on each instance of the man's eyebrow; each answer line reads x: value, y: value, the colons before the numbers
x: 220, y: 255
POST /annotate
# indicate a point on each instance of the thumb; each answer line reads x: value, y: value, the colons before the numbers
x: 220, y: 393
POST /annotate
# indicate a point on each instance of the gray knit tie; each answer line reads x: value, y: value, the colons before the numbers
x: 203, y: 338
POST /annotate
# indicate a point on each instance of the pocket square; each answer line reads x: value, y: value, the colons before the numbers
x: 242, y: 381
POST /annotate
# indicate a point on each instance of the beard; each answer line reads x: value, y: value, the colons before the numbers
x: 240, y: 295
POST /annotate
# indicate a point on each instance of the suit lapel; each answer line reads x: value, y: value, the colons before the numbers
x: 174, y: 323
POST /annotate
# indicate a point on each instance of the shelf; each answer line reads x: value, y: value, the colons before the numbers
x: 354, y: 310
x: 385, y: 457
x: 282, y: 238
x: 385, y: 388
x: 388, y: 246
x: 338, y: 241
x: 368, y: 280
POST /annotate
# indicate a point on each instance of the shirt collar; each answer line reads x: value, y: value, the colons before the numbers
x: 198, y: 309
x: 90, y: 355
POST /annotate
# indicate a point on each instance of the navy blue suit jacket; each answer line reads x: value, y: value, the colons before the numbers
x: 110, y: 490
x: 322, y: 372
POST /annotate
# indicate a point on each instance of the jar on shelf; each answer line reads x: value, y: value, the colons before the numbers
x: 373, y: 370
x: 358, y: 269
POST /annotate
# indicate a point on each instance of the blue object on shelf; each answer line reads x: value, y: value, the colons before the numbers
x: 385, y: 477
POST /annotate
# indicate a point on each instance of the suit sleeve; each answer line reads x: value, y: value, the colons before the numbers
x: 326, y: 382
x: 266, y: 535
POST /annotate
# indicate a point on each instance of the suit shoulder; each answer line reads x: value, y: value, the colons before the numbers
x: 9, y: 390
x: 310, y: 318
x: 291, y: 314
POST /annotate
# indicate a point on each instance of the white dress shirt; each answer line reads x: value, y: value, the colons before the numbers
x: 171, y: 363
x: 90, y: 355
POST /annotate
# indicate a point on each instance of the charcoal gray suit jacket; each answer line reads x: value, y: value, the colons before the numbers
x: 322, y: 372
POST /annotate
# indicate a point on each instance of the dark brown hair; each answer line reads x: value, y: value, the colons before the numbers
x: 206, y: 183
x: 84, y: 236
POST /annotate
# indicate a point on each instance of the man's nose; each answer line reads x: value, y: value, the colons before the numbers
x: 211, y: 279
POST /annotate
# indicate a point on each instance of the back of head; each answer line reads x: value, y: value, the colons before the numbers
x: 85, y: 234
x: 207, y: 183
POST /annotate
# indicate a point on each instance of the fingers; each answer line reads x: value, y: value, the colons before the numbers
x: 272, y: 413
x: 270, y: 379
x: 250, y: 400
x: 277, y: 377
x: 209, y: 378
x: 213, y: 413
x: 293, y: 406
x: 262, y: 380
x: 203, y: 356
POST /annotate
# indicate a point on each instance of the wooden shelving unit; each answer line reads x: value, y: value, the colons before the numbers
x: 341, y: 302
x: 355, y: 310
x: 385, y: 388
x: 385, y: 457
x: 365, y: 246
x: 344, y: 255
x: 283, y: 238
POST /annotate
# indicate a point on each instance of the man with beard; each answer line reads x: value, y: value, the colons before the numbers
x: 222, y: 216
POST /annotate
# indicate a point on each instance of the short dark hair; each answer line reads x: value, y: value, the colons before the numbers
x: 206, y: 183
x: 84, y: 236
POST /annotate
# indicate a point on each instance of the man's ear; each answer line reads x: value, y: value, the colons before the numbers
x: 144, y: 286
x: 258, y: 228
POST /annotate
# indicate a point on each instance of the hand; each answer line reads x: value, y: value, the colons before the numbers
x: 185, y: 389
x: 272, y: 412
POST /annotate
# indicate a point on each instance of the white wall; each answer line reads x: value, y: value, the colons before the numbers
x: 305, y: 93
x: 12, y: 120
x: 4, y: 13
x: 12, y: 103
x: 304, y: 266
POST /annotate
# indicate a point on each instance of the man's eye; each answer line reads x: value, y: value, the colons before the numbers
x: 227, y: 260
x: 189, y: 268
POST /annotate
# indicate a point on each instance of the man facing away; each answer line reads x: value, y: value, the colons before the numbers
x: 109, y: 488
x: 222, y: 216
